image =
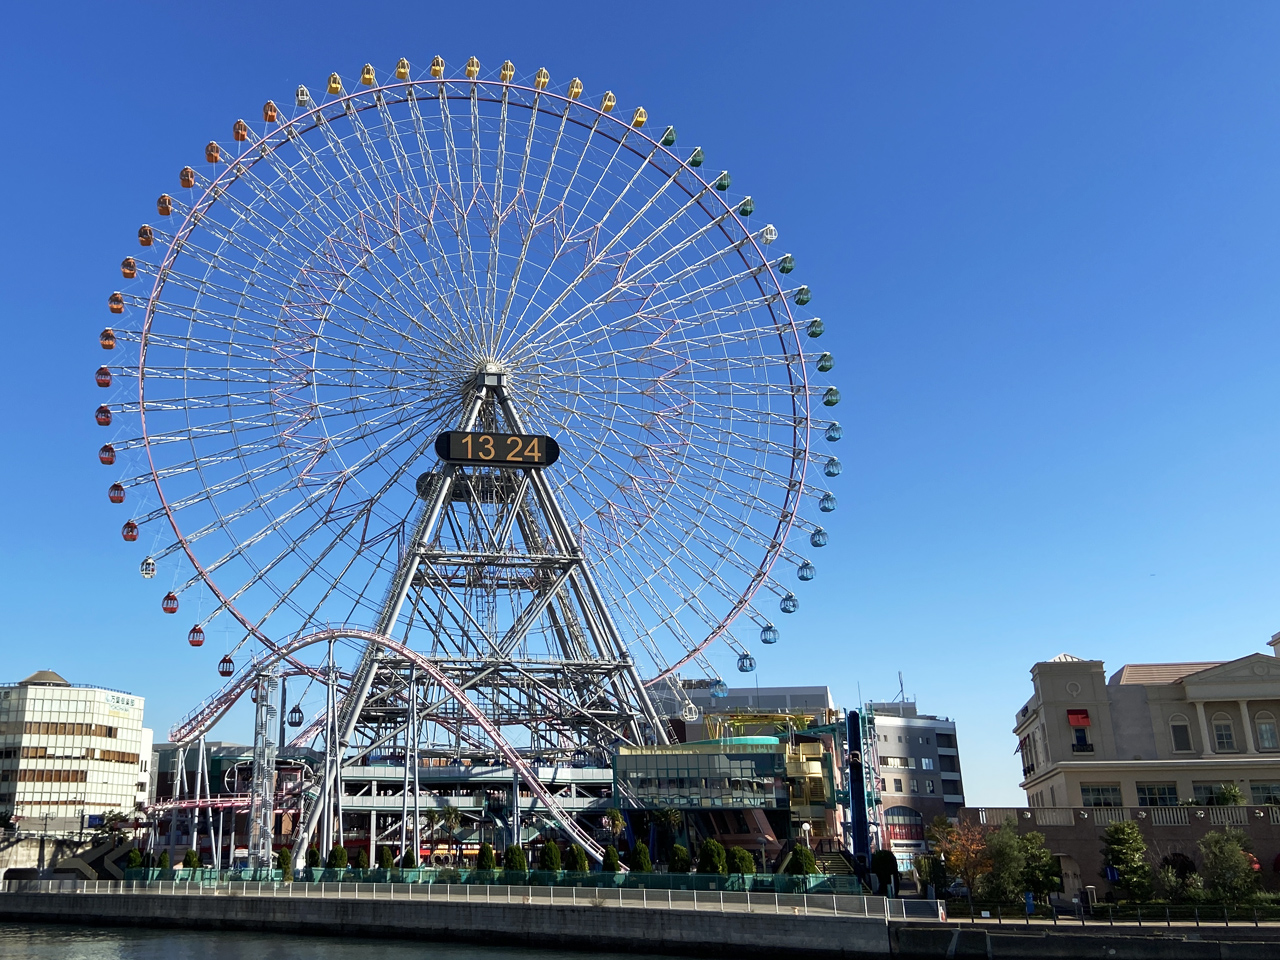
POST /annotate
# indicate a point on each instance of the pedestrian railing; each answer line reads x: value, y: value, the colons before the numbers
x: 723, y: 901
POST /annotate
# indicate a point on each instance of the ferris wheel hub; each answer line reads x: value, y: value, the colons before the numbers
x: 490, y: 374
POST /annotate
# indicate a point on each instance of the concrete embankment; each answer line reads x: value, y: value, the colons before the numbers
x: 593, y: 928
x: 590, y: 928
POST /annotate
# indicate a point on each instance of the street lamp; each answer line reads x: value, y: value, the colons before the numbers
x: 806, y: 829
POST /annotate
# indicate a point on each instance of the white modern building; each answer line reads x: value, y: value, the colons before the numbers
x: 69, y: 753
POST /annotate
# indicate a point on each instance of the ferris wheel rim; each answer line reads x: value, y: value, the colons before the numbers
x: 787, y: 324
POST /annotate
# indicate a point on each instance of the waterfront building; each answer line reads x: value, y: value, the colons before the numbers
x: 70, y: 753
x: 1153, y: 734
x: 917, y: 763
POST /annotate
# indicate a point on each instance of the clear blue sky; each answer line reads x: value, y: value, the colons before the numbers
x: 1044, y: 238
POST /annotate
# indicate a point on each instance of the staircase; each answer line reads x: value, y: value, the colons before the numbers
x: 833, y: 864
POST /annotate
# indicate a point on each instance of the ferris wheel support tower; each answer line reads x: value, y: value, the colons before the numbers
x: 478, y: 523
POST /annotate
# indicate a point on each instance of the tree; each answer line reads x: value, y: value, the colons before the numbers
x: 134, y: 860
x: 617, y: 822
x: 313, y: 856
x: 192, y: 859
x: 386, y: 859
x: 1042, y: 874
x: 163, y: 862
x: 433, y: 819
x: 409, y: 861
x: 284, y: 860
x: 337, y: 858
x: 485, y: 859
x: 680, y: 861
x: 638, y: 860
x: 1176, y: 879
x: 513, y: 859
x: 362, y: 859
x: 711, y: 858
x: 1006, y: 880
x: 885, y: 866
x: 549, y: 858
x: 1229, y: 873
x: 1126, y: 850
x: 965, y: 850
x: 610, y: 863
x: 575, y: 859
x: 451, y: 817
x: 669, y: 821
x: 740, y: 860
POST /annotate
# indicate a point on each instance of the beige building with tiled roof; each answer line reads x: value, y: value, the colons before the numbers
x: 1154, y: 734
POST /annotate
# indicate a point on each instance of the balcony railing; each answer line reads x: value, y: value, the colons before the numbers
x: 1082, y: 748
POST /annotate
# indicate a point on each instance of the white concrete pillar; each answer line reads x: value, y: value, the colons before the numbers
x: 1248, y: 726
x: 1204, y: 729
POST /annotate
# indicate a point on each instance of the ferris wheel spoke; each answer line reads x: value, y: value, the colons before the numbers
x: 459, y: 202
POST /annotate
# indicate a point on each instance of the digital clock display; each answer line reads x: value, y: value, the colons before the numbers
x: 496, y: 449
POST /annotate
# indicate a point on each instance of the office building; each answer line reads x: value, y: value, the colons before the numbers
x: 69, y: 753
x: 917, y: 764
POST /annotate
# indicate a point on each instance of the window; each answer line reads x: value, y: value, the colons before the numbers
x: 1267, y: 739
x: 1180, y: 733
x: 1078, y: 718
x: 1208, y: 794
x: 911, y: 763
x: 928, y: 787
x: 897, y: 785
x: 947, y: 740
x: 926, y: 763
x: 1265, y: 793
x: 1224, y: 736
x: 894, y: 762
x: 903, y: 823
x: 1157, y: 794
x: 915, y: 785
x: 1100, y: 795
x: 899, y: 738
x: 948, y: 765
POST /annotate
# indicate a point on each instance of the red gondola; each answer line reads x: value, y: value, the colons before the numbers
x: 196, y: 636
x: 145, y: 235
x: 240, y: 131
x: 213, y: 152
x: 103, y: 377
x: 164, y: 205
x: 115, y: 303
x: 107, y: 454
x: 295, y: 716
x: 170, y: 603
x: 116, y: 493
x: 129, y: 531
x: 187, y: 177
x: 128, y: 268
x: 108, y: 339
x: 103, y: 416
x: 226, y: 666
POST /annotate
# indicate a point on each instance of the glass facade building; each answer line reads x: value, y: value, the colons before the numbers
x: 744, y: 772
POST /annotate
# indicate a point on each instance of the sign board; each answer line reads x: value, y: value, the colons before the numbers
x: 496, y: 449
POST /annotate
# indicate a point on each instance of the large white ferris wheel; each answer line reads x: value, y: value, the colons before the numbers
x: 524, y: 270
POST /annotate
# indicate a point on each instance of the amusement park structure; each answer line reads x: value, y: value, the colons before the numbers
x: 478, y: 414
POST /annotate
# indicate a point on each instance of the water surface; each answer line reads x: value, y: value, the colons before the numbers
x: 58, y: 942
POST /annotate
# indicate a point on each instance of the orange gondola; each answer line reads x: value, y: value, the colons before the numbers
x: 270, y: 112
x: 164, y: 205
x: 212, y: 152
x: 187, y: 177
x: 240, y: 131
x: 115, y: 303
x: 107, y: 338
x: 128, y: 268
x: 146, y: 236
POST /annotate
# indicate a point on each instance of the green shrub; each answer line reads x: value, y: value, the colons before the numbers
x: 134, y: 860
x: 740, y: 860
x: 513, y: 859
x: 576, y: 859
x: 362, y: 859
x: 549, y: 858
x: 313, y: 856
x: 163, y: 862
x: 610, y: 864
x: 711, y: 858
x: 386, y: 859
x: 337, y: 858
x: 192, y: 859
x: 486, y: 860
x: 680, y: 861
x: 803, y: 864
x: 638, y: 859
x: 284, y: 861
x: 410, y: 860
x: 1228, y: 866
x: 1126, y: 850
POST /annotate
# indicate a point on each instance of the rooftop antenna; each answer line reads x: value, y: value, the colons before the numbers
x: 902, y: 696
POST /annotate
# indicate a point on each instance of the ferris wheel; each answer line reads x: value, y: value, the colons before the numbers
x: 308, y: 308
